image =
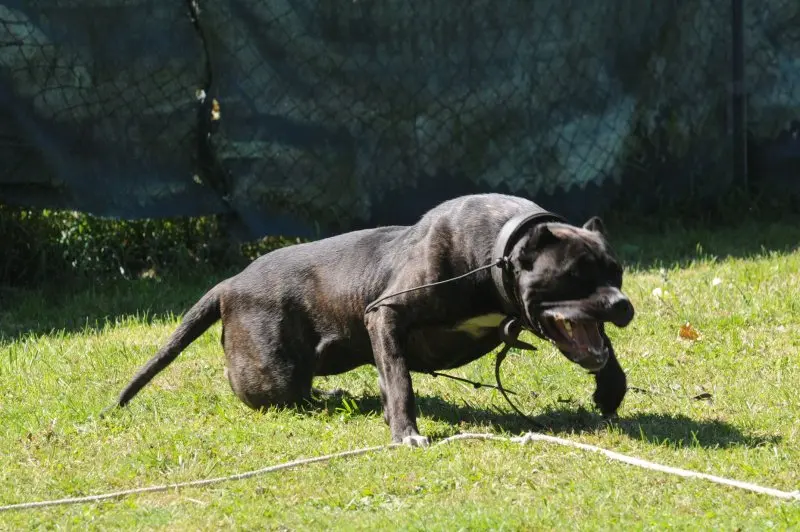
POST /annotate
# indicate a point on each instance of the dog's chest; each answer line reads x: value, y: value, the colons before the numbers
x: 479, y: 326
x: 437, y: 348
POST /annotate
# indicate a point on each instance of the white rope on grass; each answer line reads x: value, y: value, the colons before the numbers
x: 638, y: 462
x: 193, y: 483
x: 526, y: 438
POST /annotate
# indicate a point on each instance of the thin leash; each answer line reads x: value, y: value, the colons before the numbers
x: 372, y: 306
x: 501, y: 356
x: 475, y: 384
x: 509, y: 330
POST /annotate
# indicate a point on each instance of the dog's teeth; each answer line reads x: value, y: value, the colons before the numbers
x: 568, y: 328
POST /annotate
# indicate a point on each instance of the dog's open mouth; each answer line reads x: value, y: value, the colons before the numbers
x: 579, y: 340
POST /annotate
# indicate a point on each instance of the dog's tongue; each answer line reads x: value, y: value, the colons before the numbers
x: 587, y: 335
x: 582, y: 334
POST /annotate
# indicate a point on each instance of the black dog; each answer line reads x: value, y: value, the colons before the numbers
x: 301, y: 311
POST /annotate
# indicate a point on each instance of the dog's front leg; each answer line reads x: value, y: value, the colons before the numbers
x: 397, y: 394
x: 611, y: 383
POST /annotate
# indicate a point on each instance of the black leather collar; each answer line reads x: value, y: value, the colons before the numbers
x: 503, y: 274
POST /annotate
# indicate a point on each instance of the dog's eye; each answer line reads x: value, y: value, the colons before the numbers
x: 577, y: 284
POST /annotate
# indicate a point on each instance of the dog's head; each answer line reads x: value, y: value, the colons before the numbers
x: 568, y: 280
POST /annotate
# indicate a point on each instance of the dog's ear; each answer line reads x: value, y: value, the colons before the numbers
x: 595, y: 224
x: 533, y: 243
x: 541, y: 238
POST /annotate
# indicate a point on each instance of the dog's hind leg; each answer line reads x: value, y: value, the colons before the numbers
x: 262, y: 370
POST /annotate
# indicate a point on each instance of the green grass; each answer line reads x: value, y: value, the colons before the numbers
x: 64, y: 356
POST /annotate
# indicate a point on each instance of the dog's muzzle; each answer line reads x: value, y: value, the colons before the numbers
x: 580, y: 341
x: 576, y: 327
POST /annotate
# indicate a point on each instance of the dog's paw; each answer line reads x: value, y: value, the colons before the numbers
x: 611, y: 388
x: 608, y: 398
x: 415, y: 440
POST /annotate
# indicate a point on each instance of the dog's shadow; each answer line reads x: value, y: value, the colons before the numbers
x: 659, y: 429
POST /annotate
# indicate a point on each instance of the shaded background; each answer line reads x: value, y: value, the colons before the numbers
x: 312, y: 117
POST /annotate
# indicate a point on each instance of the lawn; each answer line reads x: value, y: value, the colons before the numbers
x: 727, y: 403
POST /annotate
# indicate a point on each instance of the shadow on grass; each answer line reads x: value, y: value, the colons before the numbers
x: 657, y: 429
x: 679, y: 244
x: 91, y: 305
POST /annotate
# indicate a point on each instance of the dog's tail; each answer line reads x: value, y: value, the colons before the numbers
x: 197, y: 320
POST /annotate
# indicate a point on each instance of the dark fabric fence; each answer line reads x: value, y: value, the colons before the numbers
x: 311, y: 117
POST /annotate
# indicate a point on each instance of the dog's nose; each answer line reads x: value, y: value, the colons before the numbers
x: 621, y: 310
